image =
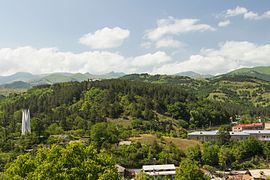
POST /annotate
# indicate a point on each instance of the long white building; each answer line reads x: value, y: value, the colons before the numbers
x: 160, y: 170
x: 263, y: 135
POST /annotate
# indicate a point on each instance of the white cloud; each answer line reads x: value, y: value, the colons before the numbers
x: 163, y: 43
x: 105, y: 38
x: 148, y: 60
x: 251, y: 15
x: 168, y: 43
x: 224, y: 23
x: 246, y: 13
x: 229, y: 56
x: 47, y: 60
x: 172, y: 26
x: 266, y: 14
x: 236, y: 11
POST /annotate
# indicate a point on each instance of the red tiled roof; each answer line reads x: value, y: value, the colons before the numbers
x: 249, y: 125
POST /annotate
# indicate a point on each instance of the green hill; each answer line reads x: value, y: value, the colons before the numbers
x: 195, y: 75
x: 239, y: 89
x: 16, y: 85
x: 262, y: 72
x: 166, y: 79
x: 53, y: 78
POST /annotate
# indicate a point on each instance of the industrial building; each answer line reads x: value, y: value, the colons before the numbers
x: 263, y: 135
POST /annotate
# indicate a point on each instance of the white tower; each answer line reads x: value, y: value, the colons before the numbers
x: 26, y: 122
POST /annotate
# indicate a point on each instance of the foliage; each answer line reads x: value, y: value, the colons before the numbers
x: 189, y: 170
x: 142, y: 176
x: 194, y: 153
x: 75, y: 161
x: 161, y: 105
x: 103, y: 134
x: 137, y: 154
x: 224, y: 134
x: 210, y: 154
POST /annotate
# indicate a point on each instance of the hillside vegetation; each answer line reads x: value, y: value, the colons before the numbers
x: 154, y: 112
x: 262, y: 72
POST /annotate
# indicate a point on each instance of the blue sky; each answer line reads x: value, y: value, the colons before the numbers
x: 151, y: 36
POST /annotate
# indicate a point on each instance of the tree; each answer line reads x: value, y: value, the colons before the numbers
x: 226, y: 157
x: 249, y: 148
x: 37, y: 125
x: 210, y: 154
x: 75, y: 161
x: 142, y: 176
x: 54, y: 129
x: 194, y: 153
x: 104, y: 133
x: 224, y: 134
x: 178, y: 110
x: 189, y: 170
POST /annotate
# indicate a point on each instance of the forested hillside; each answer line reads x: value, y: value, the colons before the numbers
x: 80, y: 105
x: 104, y: 113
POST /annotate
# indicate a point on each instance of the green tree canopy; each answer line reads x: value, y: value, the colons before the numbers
x: 75, y: 161
x: 189, y: 170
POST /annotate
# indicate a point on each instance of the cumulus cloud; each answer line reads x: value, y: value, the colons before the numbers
x: 236, y: 11
x: 169, y: 43
x: 247, y: 14
x: 150, y: 60
x: 229, y: 56
x: 163, y: 36
x: 224, y: 23
x: 47, y: 60
x: 163, y: 43
x: 105, y: 38
x: 173, y: 26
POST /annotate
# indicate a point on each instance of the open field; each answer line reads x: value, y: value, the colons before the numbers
x: 150, y: 139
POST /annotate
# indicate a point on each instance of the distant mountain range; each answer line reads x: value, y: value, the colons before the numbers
x: 27, y: 80
x: 195, y: 75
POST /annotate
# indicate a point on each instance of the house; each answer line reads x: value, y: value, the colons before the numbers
x: 240, y: 177
x: 160, y: 170
x: 252, y: 126
x: 203, y: 135
x: 259, y: 174
x: 267, y: 125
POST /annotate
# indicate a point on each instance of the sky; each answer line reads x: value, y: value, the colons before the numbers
x: 153, y: 36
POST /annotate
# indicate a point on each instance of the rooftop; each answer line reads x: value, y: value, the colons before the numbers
x: 249, y: 125
x: 161, y: 173
x: 257, y: 131
x: 214, y: 133
x: 260, y: 173
x: 158, y: 167
x: 209, y: 133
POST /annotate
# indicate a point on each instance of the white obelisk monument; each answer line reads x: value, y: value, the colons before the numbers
x: 26, y: 122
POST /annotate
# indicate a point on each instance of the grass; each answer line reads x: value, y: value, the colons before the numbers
x: 150, y: 139
x: 126, y: 123
x: 182, y: 144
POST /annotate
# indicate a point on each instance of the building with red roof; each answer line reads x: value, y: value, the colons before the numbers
x: 252, y: 126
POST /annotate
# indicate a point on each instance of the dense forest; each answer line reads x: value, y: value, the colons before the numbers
x: 104, y: 113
